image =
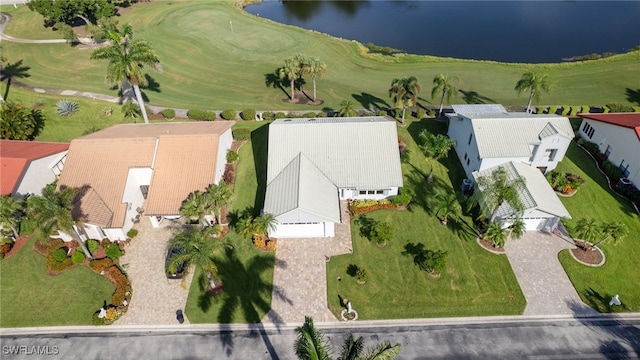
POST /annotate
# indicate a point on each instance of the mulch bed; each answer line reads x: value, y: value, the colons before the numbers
x: 302, y: 98
x: 17, y: 246
x: 591, y: 257
x: 488, y: 245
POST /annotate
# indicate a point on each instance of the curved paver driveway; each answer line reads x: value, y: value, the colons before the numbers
x: 545, y: 284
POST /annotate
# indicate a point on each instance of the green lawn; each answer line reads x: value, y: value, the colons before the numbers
x: 29, y: 296
x: 618, y: 274
x: 207, y: 65
x: 475, y: 282
x: 246, y: 272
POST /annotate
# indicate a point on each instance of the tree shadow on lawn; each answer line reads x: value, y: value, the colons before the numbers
x: 274, y: 81
x: 472, y: 97
x: 633, y: 95
x: 367, y: 101
x: 260, y: 144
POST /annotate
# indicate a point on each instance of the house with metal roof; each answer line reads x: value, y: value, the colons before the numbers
x: 133, y: 170
x: 314, y: 163
x: 618, y: 137
x: 542, y: 208
x: 27, y: 166
x: 487, y: 135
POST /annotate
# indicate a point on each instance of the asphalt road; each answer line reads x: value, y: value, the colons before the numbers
x: 499, y: 338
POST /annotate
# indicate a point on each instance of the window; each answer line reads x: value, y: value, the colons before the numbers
x: 607, y: 152
x: 362, y: 192
x: 379, y: 192
x: 144, y: 189
x: 470, y: 137
x: 625, y: 168
x: 466, y: 157
x: 588, y: 130
x: 550, y: 154
x: 468, y: 161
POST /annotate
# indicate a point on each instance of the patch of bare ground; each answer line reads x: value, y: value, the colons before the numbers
x: 488, y: 245
x: 301, y: 97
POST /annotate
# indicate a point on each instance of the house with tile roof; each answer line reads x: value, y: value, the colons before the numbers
x: 487, y: 135
x: 618, y: 137
x: 542, y: 208
x: 314, y: 163
x: 27, y: 166
x: 130, y: 171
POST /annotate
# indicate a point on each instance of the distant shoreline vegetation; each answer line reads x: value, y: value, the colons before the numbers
x: 595, y: 56
x: 384, y: 50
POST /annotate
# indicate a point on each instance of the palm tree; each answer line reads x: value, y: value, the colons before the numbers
x: 588, y: 230
x: 352, y: 348
x: 52, y: 211
x: 131, y: 110
x: 446, y: 205
x: 434, y: 147
x: 197, y: 248
x: 498, y: 189
x: 496, y: 233
x: 615, y: 231
x: 195, y: 207
x: 444, y: 85
x: 310, y: 343
x: 290, y: 71
x: 263, y: 223
x: 405, y: 93
x: 316, y: 70
x: 516, y: 229
x: 11, y: 213
x: 535, y: 84
x: 346, y: 109
x: 126, y: 59
x: 219, y: 197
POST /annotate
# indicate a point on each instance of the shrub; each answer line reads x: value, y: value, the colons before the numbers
x: 229, y: 175
x: 195, y: 114
x: 101, y: 265
x: 106, y: 111
x: 113, y: 251
x: 309, y: 115
x: 123, y: 286
x: 59, y: 254
x: 5, y: 248
x: 232, y: 156
x: 403, y: 198
x: 77, y: 257
x: 59, y: 266
x: 264, y: 243
x: 432, y: 261
x: 66, y: 107
x: 362, y: 275
x: 280, y: 115
x: 168, y: 113
x: 397, y: 113
x: 616, y: 107
x: 565, y: 110
x: 591, y: 147
x: 268, y: 115
x: 420, y: 113
x: 585, y: 109
x: 241, y: 134
x: 381, y: 232
x: 321, y: 114
x: 248, y: 114
x: 612, y: 171
x: 230, y: 114
x: 381, y: 113
x: 132, y: 233
x: 574, y: 110
x: 92, y: 245
x: 553, y: 109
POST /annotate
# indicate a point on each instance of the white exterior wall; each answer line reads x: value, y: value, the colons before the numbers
x: 534, y: 220
x: 224, y: 144
x: 116, y: 234
x: 624, y: 143
x: 557, y: 142
x: 132, y: 195
x: 323, y: 229
x: 459, y: 131
x: 354, y: 194
x: 491, y: 162
x: 38, y: 174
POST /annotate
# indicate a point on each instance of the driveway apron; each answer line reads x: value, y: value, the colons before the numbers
x: 545, y: 284
x: 155, y: 298
x: 300, y: 275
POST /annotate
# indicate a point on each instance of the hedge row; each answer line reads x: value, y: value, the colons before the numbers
x: 195, y: 114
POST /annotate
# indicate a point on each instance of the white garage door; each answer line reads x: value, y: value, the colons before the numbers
x: 303, y: 230
x: 533, y: 224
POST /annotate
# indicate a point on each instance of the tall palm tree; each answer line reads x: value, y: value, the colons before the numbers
x: 535, y: 84
x: 126, y: 59
x: 53, y: 211
x: 497, y: 189
x: 434, y: 147
x: 311, y: 343
x: 219, y: 197
x: 445, y: 204
x: 196, y: 247
x: 347, y: 109
x: 11, y: 213
x: 196, y: 206
x: 290, y: 71
x: 305, y: 65
x: 588, y: 229
x: 444, y: 85
x: 614, y: 230
x: 404, y: 92
x: 316, y: 70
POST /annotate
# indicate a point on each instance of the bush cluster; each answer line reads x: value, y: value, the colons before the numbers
x: 359, y: 207
x: 612, y: 171
x: 195, y: 114
x: 229, y: 114
x: 241, y: 134
x: 78, y: 257
x: 616, y: 107
x: 59, y: 254
x: 630, y: 192
x: 132, y: 233
x: 268, y: 115
x: 232, y: 156
x: 59, y: 266
x: 113, y: 251
x: 591, y: 147
x: 381, y: 113
x: 264, y: 243
x: 168, y: 113
x: 92, y: 245
x: 229, y: 175
x: 420, y: 113
x: 123, y: 286
x: 101, y: 265
x: 248, y: 114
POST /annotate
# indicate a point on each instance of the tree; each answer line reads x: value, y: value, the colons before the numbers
x: 126, y: 59
x: 68, y: 10
x: 516, y: 229
x: 19, y: 123
x: 589, y: 230
x: 196, y: 206
x: 316, y: 70
x: 11, y: 214
x: 219, y: 196
x: 346, y: 109
x: 131, y: 110
x: 53, y: 211
x: 311, y: 343
x: 615, y: 231
x: 535, y: 84
x: 445, y: 204
x: 404, y: 92
x: 290, y: 71
x: 263, y: 223
x: 381, y: 232
x: 196, y: 247
x: 497, y: 189
x: 496, y: 233
x: 443, y: 85
x: 434, y: 147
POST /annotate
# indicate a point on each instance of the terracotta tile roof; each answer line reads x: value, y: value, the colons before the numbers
x: 15, y: 155
x: 183, y: 157
x: 628, y: 120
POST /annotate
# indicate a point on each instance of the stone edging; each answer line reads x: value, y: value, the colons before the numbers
x: 566, y: 195
x: 489, y: 250
x: 604, y: 258
x: 344, y: 312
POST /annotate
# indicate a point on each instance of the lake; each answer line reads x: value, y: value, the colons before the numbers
x: 510, y: 31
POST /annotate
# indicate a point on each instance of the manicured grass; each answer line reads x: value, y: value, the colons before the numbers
x: 475, y: 282
x: 618, y: 274
x: 31, y: 297
x: 246, y: 272
x: 208, y: 65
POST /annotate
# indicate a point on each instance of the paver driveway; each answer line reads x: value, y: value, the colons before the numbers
x: 155, y: 298
x: 545, y: 284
